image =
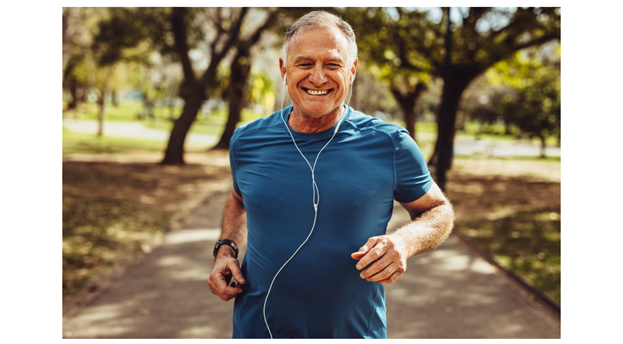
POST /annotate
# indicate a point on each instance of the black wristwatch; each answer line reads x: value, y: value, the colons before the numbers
x: 226, y: 242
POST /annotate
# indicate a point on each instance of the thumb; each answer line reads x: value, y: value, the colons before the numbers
x: 235, y: 271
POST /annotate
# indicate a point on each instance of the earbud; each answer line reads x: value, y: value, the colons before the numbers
x: 284, y: 79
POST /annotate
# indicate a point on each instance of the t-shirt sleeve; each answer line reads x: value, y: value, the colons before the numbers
x: 232, y: 162
x: 413, y: 180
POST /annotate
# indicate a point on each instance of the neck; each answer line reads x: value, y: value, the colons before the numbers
x: 303, y: 123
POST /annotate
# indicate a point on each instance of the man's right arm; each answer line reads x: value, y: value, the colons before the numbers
x: 234, y: 228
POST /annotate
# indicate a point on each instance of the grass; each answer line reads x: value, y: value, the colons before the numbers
x: 515, y: 219
x: 92, y: 144
x: 527, y: 242
x: 99, y: 225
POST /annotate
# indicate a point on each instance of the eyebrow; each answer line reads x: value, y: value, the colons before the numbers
x: 306, y: 58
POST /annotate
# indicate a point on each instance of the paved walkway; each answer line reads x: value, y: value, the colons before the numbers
x: 447, y: 293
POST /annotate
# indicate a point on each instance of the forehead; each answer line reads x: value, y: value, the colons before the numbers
x: 318, y: 43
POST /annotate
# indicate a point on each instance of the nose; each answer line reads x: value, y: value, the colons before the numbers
x: 317, y: 76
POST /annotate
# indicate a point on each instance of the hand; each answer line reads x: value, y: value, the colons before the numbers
x: 224, y: 268
x: 388, y: 255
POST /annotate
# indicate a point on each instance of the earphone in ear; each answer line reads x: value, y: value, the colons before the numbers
x: 284, y: 79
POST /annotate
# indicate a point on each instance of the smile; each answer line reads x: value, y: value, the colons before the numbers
x: 317, y: 92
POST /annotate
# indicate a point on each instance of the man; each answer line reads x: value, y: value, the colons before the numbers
x: 312, y: 184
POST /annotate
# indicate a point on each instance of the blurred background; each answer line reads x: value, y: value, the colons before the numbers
x: 151, y: 97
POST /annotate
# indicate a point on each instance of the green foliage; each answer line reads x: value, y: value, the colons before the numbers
x: 131, y: 34
x: 531, y: 98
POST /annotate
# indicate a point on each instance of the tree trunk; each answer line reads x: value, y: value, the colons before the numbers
x: 113, y: 98
x: 73, y: 88
x: 447, y: 114
x: 174, y: 154
x: 407, y: 104
x: 100, y: 115
x: 238, y: 88
x: 195, y: 88
x: 543, y: 146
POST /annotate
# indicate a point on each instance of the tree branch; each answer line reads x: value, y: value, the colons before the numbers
x: 181, y: 45
x: 217, y: 57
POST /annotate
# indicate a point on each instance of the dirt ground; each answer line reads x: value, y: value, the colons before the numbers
x: 498, y: 188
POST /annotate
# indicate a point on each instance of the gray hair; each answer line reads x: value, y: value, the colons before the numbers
x: 318, y: 20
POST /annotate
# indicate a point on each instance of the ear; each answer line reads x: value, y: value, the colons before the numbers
x: 282, y: 69
x: 353, y: 70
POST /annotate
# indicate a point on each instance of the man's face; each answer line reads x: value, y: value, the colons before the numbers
x: 317, y: 72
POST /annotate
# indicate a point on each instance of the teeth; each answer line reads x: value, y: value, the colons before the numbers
x: 312, y: 92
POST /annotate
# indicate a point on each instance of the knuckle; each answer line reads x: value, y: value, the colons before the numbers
x: 376, y: 253
x: 377, y: 266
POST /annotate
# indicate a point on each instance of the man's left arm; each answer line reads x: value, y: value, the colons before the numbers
x: 384, y: 258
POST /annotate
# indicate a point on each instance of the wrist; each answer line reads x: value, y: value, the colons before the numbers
x: 231, y: 252
x: 226, y: 251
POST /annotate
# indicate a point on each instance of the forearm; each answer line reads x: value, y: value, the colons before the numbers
x: 427, y: 230
x: 234, y: 225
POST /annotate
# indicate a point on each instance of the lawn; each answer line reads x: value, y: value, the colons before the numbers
x: 511, y: 209
x: 78, y: 143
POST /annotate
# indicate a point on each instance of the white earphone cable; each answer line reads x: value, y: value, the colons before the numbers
x: 315, y: 197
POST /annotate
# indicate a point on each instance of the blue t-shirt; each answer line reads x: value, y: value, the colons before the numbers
x: 319, y: 293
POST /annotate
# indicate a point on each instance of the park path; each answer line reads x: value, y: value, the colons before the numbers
x: 463, y: 145
x: 450, y: 292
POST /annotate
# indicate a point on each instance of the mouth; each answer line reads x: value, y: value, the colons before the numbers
x: 317, y: 92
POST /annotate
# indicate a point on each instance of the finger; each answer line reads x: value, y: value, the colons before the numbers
x: 222, y: 290
x: 357, y: 255
x: 219, y: 286
x: 391, y: 278
x: 378, y: 266
x: 384, y: 273
x: 365, y: 248
x: 372, y: 255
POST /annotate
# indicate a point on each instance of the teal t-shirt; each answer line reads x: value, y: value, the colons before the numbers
x: 319, y: 293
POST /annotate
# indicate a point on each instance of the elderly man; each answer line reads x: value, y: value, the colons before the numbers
x: 312, y: 183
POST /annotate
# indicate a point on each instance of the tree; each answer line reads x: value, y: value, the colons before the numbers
x: 533, y: 105
x: 82, y: 69
x: 240, y: 72
x: 132, y: 36
x: 375, y: 28
x: 457, y: 52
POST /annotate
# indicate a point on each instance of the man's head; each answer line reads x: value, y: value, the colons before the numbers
x: 318, y: 20
x: 319, y: 60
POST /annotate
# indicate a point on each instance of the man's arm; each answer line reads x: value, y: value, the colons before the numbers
x: 234, y: 228
x: 432, y: 219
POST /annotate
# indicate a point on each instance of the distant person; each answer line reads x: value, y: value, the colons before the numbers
x: 312, y: 183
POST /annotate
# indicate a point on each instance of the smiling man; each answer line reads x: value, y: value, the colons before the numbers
x: 313, y: 190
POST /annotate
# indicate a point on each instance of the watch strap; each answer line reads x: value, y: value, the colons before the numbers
x: 228, y: 243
